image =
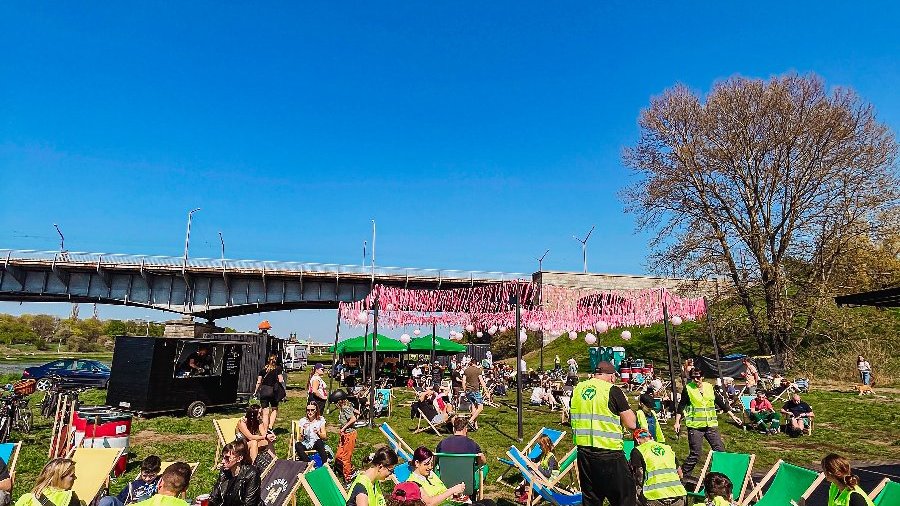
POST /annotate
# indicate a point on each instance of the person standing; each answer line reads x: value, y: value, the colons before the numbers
x: 844, y: 489
x: 865, y: 370
x: 269, y: 390
x: 346, y: 419
x: 599, y: 411
x: 556, y: 362
x: 316, y: 389
x: 656, y: 471
x: 472, y: 383
x: 751, y: 375
x: 697, y: 407
x: 573, y: 365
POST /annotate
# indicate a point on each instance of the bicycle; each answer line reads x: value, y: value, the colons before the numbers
x: 15, y: 414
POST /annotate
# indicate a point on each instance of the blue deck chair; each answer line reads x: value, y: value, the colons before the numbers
x: 9, y: 452
x: 404, y: 451
x: 538, y: 485
x: 532, y: 449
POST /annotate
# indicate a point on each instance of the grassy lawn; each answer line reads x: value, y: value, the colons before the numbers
x: 861, y: 428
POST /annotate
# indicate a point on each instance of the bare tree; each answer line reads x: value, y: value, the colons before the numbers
x: 755, y: 173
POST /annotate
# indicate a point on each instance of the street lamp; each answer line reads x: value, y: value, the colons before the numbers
x: 540, y: 301
x: 62, y: 239
x: 187, y: 235
x: 222, y: 240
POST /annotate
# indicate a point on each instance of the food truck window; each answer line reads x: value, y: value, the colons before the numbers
x: 198, y: 359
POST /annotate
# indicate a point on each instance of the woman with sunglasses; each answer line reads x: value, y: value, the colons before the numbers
x: 238, y: 482
x: 434, y: 492
x: 365, y: 489
x: 54, y: 485
x: 312, y: 435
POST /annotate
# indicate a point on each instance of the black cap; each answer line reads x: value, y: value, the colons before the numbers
x: 604, y: 367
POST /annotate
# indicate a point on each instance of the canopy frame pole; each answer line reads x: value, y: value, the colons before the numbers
x: 337, y: 333
x: 433, y: 338
x: 671, y: 358
x: 715, y: 343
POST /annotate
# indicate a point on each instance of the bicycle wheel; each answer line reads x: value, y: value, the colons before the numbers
x: 4, y: 429
x: 25, y: 421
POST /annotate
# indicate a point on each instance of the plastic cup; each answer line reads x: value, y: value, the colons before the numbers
x: 203, y: 500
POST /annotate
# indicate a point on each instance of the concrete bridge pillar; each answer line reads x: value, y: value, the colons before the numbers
x: 187, y: 327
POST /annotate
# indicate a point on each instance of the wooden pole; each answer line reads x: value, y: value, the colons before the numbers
x: 712, y: 336
x: 671, y: 358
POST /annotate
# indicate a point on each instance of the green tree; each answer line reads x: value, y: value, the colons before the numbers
x: 15, y: 331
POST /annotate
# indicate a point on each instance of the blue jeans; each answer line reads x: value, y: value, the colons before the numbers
x: 866, y: 376
x: 109, y: 500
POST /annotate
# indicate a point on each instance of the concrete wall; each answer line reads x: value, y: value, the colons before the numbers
x: 605, y: 282
x: 188, y: 328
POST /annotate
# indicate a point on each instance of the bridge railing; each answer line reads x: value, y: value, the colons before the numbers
x: 150, y: 261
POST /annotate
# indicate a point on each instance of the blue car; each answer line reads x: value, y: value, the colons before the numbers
x: 73, y: 371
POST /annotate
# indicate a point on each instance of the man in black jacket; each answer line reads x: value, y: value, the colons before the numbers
x: 238, y: 482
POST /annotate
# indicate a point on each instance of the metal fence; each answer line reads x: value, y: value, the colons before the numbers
x: 148, y: 261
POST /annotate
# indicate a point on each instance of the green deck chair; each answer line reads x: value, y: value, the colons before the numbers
x: 887, y: 493
x: 323, y: 487
x: 461, y: 468
x: 736, y: 466
x: 790, y: 483
x: 627, y: 446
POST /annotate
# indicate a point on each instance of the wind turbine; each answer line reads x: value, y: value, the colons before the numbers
x: 584, y: 245
x: 541, y: 261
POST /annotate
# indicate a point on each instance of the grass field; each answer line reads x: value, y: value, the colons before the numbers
x: 861, y: 428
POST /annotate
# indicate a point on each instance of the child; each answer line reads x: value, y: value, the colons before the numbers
x: 718, y: 490
x: 347, y: 419
x: 140, y: 489
x: 547, y: 465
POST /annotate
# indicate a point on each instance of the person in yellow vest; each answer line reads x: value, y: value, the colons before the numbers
x: 54, y: 486
x: 697, y: 406
x: 656, y: 471
x: 647, y: 418
x: 365, y: 489
x: 172, y: 484
x: 599, y: 411
x: 844, y: 489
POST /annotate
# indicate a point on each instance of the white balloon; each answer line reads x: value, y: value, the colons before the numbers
x: 390, y: 307
x: 523, y: 336
x: 626, y: 335
x: 533, y: 326
x: 470, y: 328
x: 676, y: 320
x: 590, y: 338
x: 417, y: 332
x: 492, y: 330
x: 601, y: 326
x: 573, y: 335
x: 479, y: 334
x: 502, y: 329
x: 362, y: 317
x: 690, y: 317
x: 405, y: 339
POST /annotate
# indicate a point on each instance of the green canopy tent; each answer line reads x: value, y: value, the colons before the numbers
x: 362, y: 344
x: 442, y: 346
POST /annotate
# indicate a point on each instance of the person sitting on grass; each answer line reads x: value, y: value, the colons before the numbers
x: 238, y: 482
x: 53, y: 486
x: 764, y: 416
x: 800, y: 416
x: 718, y: 490
x: 253, y: 430
x: 172, y: 484
x: 140, y: 489
x: 365, y: 490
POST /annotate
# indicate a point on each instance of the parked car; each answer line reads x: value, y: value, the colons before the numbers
x: 76, y: 372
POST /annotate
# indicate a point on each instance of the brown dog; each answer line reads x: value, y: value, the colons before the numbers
x: 865, y: 390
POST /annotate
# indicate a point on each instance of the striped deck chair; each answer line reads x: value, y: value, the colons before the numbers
x: 404, y: 451
x: 93, y: 467
x: 789, y: 484
x: 532, y: 450
x: 9, y: 452
x: 225, y: 431
x: 323, y: 487
x: 541, y: 489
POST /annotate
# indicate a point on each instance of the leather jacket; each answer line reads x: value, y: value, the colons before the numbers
x: 240, y: 490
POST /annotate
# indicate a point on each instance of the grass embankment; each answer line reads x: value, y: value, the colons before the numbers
x: 861, y: 428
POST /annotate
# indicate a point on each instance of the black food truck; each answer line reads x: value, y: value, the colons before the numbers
x: 155, y: 375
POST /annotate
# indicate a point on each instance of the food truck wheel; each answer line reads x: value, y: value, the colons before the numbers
x: 196, y: 409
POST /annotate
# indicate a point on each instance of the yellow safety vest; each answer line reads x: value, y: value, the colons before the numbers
x: 642, y: 423
x: 373, y: 491
x: 57, y: 496
x: 701, y: 412
x: 162, y: 500
x: 719, y: 501
x: 431, y: 485
x: 842, y: 498
x: 661, y: 480
x: 593, y: 424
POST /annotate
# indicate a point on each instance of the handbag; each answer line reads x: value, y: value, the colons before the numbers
x: 266, y: 392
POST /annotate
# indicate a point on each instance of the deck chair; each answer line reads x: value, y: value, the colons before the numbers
x: 462, y: 468
x: 93, y: 467
x: 295, y: 437
x: 225, y: 431
x: 168, y: 463
x: 627, y: 446
x: 789, y: 484
x: 401, y: 472
x: 428, y: 424
x: 738, y: 467
x: 9, y: 452
x: 323, y: 487
x: 887, y: 493
x: 384, y: 401
x: 279, y: 484
x: 538, y: 487
x: 532, y: 450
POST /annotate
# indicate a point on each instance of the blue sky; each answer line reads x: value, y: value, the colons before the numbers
x: 476, y: 135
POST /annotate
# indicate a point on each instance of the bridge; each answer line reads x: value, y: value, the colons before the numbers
x: 209, y: 288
